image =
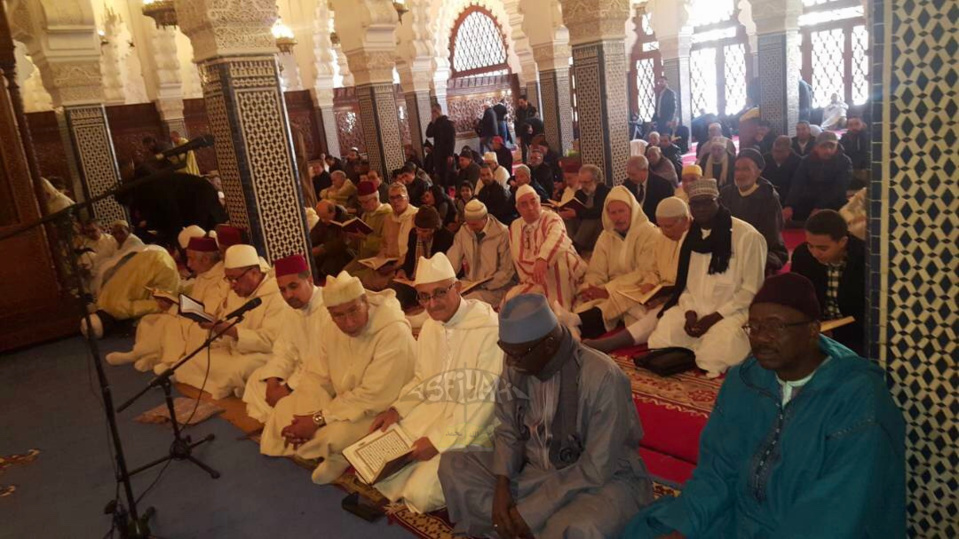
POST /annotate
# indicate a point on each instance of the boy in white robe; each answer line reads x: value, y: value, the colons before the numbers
x: 721, y: 267
x: 243, y: 348
x: 546, y: 262
x: 299, y: 339
x: 456, y: 351
x: 365, y: 359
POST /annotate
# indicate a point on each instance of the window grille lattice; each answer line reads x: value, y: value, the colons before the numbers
x: 478, y: 44
x: 702, y: 69
x: 647, y: 27
x: 645, y: 80
x: 735, y: 73
x: 860, y: 65
x: 827, y: 65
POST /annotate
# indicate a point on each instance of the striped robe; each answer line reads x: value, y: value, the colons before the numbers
x: 546, y: 238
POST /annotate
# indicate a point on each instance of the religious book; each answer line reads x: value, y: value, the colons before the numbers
x: 156, y: 293
x: 194, y: 310
x: 380, y: 454
x: 571, y: 204
x: 658, y: 291
x: 829, y: 325
x: 377, y: 262
x: 354, y: 226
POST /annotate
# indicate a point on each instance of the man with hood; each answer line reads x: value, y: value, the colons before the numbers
x: 458, y: 340
x: 365, y: 358
x: 717, y: 163
x: 622, y: 257
x: 754, y: 200
x: 804, y: 440
x: 246, y: 346
x: 481, y: 250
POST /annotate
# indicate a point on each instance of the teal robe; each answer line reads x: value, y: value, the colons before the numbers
x: 831, y: 463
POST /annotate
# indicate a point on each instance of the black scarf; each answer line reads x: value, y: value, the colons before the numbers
x: 719, y: 244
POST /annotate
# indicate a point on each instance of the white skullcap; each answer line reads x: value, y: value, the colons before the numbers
x: 192, y: 231
x: 475, y: 210
x: 637, y: 147
x: 341, y: 289
x: 490, y: 156
x: 241, y: 256
x: 672, y: 207
x: 524, y: 168
x: 120, y: 222
x: 525, y: 190
x: 434, y: 270
x: 501, y: 175
x: 311, y: 218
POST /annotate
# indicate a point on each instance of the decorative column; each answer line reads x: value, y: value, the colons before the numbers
x: 167, y: 94
x: 597, y: 31
x: 110, y: 59
x: 440, y: 82
x: 323, y: 84
x: 65, y: 48
x: 235, y: 52
x: 556, y: 105
x: 367, y: 29
x: 777, y: 28
x: 675, y: 39
x: 528, y: 77
x: 414, y: 64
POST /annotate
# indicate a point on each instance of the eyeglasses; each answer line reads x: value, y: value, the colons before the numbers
x: 506, y: 347
x: 438, y: 295
x: 771, y: 327
x: 238, y: 277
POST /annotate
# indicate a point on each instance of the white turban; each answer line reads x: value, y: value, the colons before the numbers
x: 475, y: 210
x: 672, y: 207
x: 434, y: 270
x: 525, y: 190
x: 341, y: 289
x: 241, y: 256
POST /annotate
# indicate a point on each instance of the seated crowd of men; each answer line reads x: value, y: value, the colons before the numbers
x: 526, y: 298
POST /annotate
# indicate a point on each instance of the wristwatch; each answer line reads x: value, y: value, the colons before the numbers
x: 319, y: 420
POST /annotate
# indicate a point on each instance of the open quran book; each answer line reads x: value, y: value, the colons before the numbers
x: 636, y: 295
x: 355, y: 225
x: 156, y: 293
x: 194, y: 310
x: 571, y: 204
x: 380, y: 454
x: 377, y: 262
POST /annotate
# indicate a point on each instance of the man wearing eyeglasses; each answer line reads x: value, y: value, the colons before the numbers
x: 804, y: 440
x: 449, y: 402
x: 564, y: 461
x: 365, y: 358
x: 247, y: 345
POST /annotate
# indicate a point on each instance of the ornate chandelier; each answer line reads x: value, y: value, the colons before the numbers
x: 284, y: 37
x: 162, y: 12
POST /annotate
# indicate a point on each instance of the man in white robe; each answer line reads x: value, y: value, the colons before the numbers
x: 365, y: 358
x: 721, y: 267
x: 481, y: 250
x: 223, y: 370
x: 298, y: 340
x: 456, y: 351
x: 396, y: 233
x: 546, y: 262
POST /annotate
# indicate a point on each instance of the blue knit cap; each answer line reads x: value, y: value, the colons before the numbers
x: 526, y: 318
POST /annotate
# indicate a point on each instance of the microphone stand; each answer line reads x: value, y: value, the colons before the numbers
x: 182, y: 447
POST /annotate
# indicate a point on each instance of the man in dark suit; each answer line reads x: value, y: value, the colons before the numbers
x: 469, y: 171
x: 665, y: 105
x: 781, y: 165
x: 803, y: 142
x: 835, y: 262
x: 521, y: 124
x: 488, y: 128
x: 443, y: 133
x: 821, y: 181
x: 648, y: 188
x: 502, y: 128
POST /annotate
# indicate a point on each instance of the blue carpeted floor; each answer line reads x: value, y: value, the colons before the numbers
x: 50, y: 401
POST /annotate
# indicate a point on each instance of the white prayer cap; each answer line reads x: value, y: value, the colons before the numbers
x: 341, y: 289
x: 525, y: 190
x: 188, y: 233
x: 501, y: 175
x: 637, y: 147
x: 241, y: 256
x: 434, y: 270
x: 490, y: 156
x: 311, y: 218
x: 120, y: 223
x: 672, y: 207
x: 475, y: 210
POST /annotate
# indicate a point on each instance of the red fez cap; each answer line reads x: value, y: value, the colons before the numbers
x: 202, y: 245
x: 228, y: 236
x: 366, y: 188
x: 498, y: 139
x: 790, y: 290
x: 571, y: 167
x: 290, y: 265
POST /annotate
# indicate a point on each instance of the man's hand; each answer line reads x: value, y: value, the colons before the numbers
x: 700, y: 326
x: 690, y: 326
x: 275, y: 390
x: 423, y: 450
x: 645, y: 288
x: 300, y: 431
x: 218, y: 327
x: 387, y: 269
x: 567, y: 214
x: 384, y: 419
x: 539, y: 272
x: 164, y: 304
x: 502, y: 505
x: 595, y: 292
x: 787, y: 214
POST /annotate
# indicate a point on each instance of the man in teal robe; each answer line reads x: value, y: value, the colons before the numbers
x: 804, y: 440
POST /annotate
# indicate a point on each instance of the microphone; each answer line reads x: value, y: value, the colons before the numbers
x: 203, y: 141
x: 248, y: 306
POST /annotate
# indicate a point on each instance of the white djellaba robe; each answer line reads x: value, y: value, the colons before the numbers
x: 666, y: 254
x: 350, y: 380
x: 488, y: 258
x: 396, y: 231
x: 299, y: 339
x: 545, y: 239
x: 450, y: 400
x: 621, y: 263
x: 232, y: 360
x: 728, y: 293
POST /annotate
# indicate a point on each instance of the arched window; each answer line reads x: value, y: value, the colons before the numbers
x: 718, y: 68
x: 835, y: 50
x: 477, y: 45
x: 646, y: 65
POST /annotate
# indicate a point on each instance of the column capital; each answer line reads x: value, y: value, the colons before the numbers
x: 553, y: 55
x: 218, y: 28
x: 775, y: 16
x: 595, y: 20
x: 367, y: 30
